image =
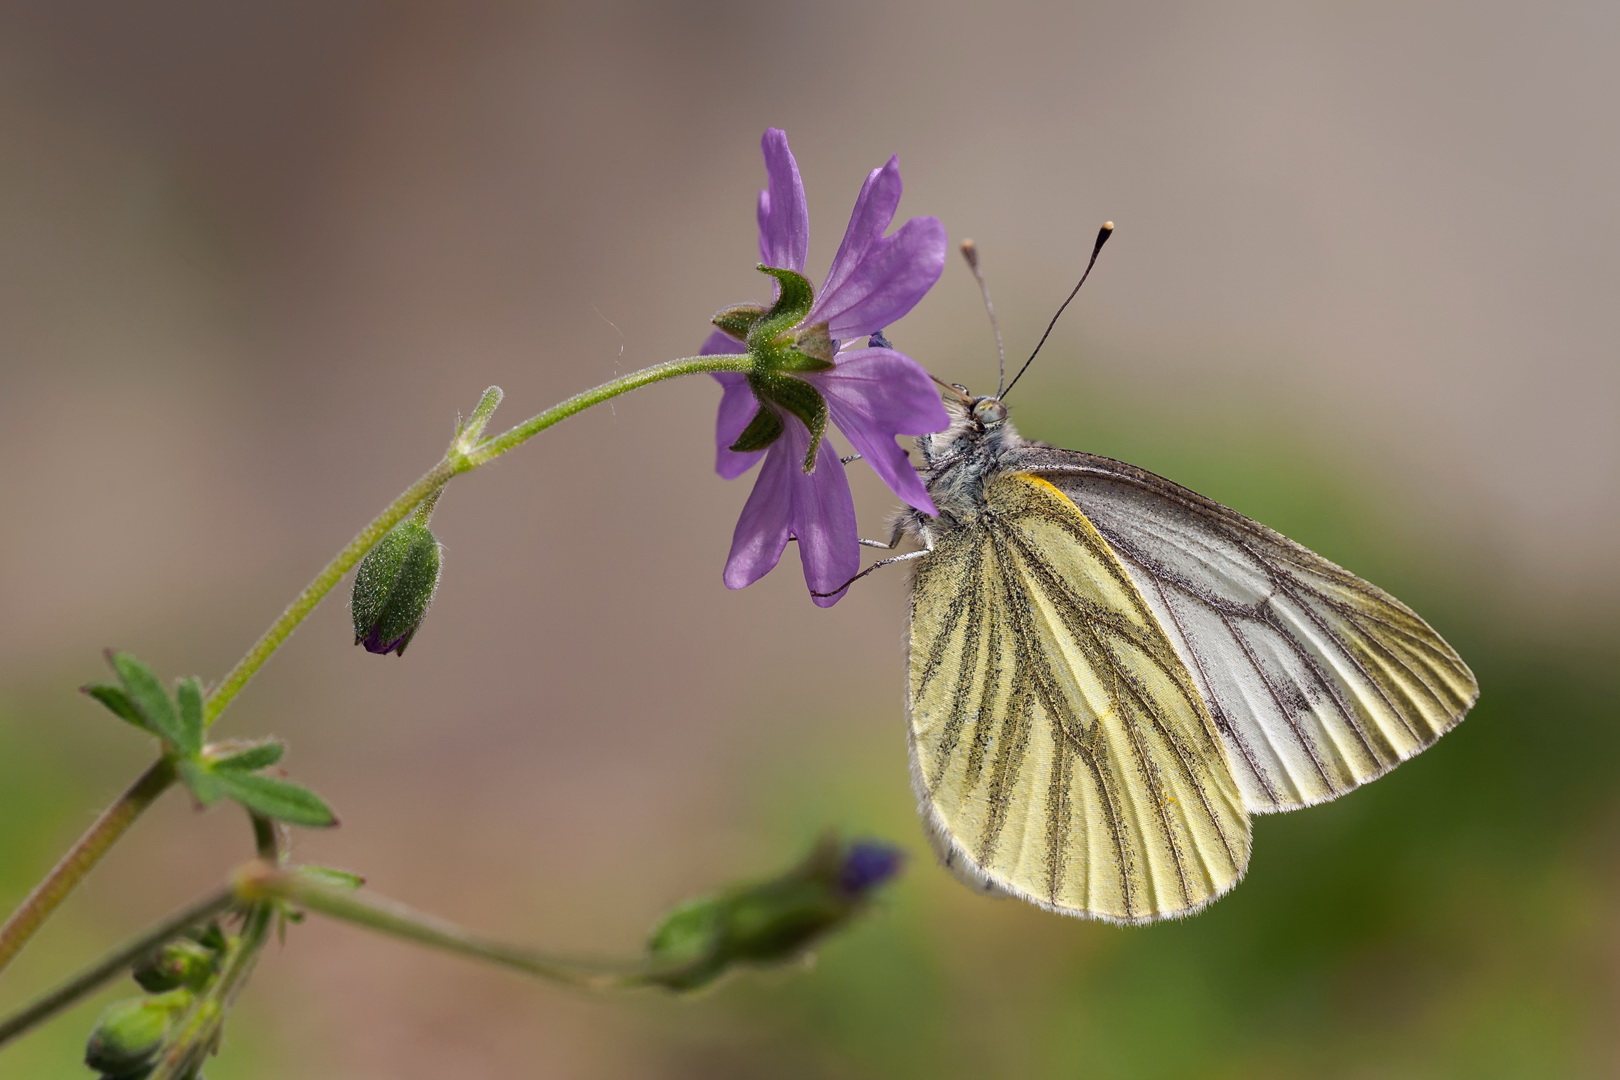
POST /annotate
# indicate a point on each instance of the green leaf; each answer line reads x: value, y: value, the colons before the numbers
x: 202, y: 781
x: 149, y: 698
x: 245, y: 756
x: 189, y: 693
x: 332, y: 879
x: 115, y: 699
x: 277, y: 799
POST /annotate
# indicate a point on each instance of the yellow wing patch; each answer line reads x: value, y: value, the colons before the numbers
x: 1060, y: 747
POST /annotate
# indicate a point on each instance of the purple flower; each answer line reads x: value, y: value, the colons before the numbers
x: 872, y: 395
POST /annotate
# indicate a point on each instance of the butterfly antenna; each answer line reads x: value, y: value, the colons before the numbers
x: 1103, y: 234
x: 970, y: 252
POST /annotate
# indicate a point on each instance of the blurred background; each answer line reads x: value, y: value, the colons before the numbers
x: 258, y: 256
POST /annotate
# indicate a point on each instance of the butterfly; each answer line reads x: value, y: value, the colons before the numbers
x: 1111, y: 674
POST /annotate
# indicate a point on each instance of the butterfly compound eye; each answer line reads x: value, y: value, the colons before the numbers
x: 989, y: 410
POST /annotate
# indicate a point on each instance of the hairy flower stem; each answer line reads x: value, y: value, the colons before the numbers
x: 493, y: 448
x: 395, y: 919
x: 466, y: 453
x: 114, y: 964
x: 83, y: 855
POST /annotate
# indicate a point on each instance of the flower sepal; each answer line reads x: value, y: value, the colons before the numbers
x: 793, y: 301
x: 797, y: 397
x: 814, y: 348
x: 739, y: 320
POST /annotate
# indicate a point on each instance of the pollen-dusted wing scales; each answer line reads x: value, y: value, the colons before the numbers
x: 1317, y: 680
x: 1061, y: 749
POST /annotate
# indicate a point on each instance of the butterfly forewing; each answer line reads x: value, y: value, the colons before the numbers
x: 1060, y: 745
x: 1317, y: 680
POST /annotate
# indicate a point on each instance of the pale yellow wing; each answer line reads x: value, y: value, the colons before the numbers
x: 1060, y: 748
x: 1318, y: 681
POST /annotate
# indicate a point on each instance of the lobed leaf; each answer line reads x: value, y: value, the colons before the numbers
x: 333, y: 879
x: 246, y: 757
x: 274, y: 798
x: 115, y: 699
x: 188, y: 692
x: 153, y: 703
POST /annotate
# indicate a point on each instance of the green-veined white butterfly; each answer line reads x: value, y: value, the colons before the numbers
x: 1110, y: 673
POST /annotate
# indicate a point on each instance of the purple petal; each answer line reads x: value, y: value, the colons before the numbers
x: 767, y: 518
x: 784, y: 219
x: 874, y: 395
x: 874, y: 210
x: 816, y: 507
x: 824, y: 521
x: 891, y: 276
x: 737, y: 407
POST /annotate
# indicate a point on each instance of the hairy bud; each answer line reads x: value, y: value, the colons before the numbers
x: 394, y: 586
x: 769, y: 922
x: 131, y: 1033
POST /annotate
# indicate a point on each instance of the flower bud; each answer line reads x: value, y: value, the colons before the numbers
x: 179, y: 963
x: 772, y: 921
x: 131, y: 1033
x: 394, y: 586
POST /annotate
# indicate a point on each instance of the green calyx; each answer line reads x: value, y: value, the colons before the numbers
x: 777, y: 338
x: 782, y: 347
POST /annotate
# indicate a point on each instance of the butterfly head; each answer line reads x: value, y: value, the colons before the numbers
x: 987, y: 412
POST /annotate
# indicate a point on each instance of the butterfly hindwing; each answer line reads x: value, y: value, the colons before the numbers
x: 1060, y: 747
x: 1317, y: 680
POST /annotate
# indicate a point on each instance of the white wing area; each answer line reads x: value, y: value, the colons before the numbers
x: 1317, y: 680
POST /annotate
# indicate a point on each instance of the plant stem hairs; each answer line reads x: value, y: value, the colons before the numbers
x: 1103, y: 234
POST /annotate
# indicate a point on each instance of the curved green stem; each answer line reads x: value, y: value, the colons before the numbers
x: 390, y: 917
x: 84, y: 854
x: 493, y: 448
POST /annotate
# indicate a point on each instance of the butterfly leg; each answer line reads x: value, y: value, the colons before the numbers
x: 881, y: 562
x: 894, y: 538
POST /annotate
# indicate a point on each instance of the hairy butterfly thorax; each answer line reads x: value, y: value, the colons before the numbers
x: 959, y: 461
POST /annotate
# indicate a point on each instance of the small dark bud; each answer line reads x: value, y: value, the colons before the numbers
x: 178, y: 964
x: 130, y: 1034
x: 770, y: 922
x: 394, y: 586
